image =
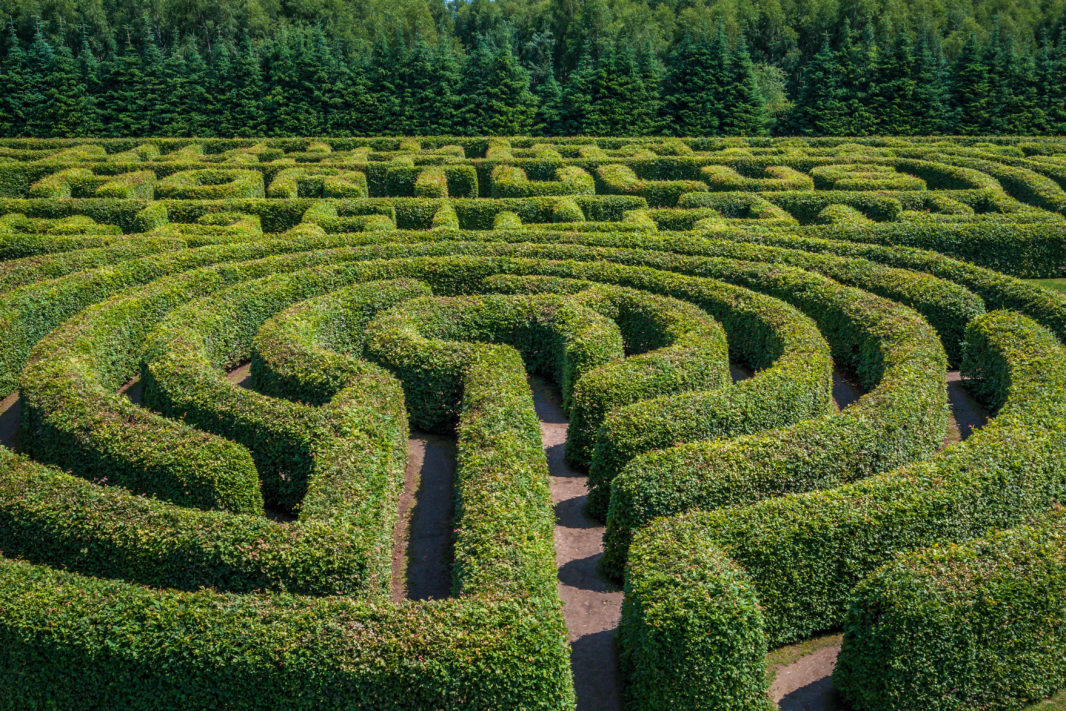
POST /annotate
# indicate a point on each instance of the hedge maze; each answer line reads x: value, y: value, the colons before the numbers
x: 204, y: 545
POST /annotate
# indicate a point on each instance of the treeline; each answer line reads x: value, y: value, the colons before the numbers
x: 305, y: 80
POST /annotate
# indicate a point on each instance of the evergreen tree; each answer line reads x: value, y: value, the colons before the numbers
x: 931, y: 99
x: 748, y: 115
x: 1049, y: 84
x: 245, y: 89
x: 155, y: 101
x: 821, y: 107
x: 497, y: 100
x: 549, y: 116
x: 578, y: 97
x: 624, y: 104
x: 860, y: 79
x: 188, y: 82
x: 90, y: 78
x: 66, y: 104
x: 695, y: 87
x: 39, y: 57
x: 897, y: 95
x: 970, y: 90
x: 125, y: 111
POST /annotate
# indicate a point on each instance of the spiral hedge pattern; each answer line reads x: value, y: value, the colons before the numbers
x: 212, y: 546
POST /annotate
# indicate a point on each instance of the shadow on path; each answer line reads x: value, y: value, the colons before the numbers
x: 422, y: 554
x: 591, y: 605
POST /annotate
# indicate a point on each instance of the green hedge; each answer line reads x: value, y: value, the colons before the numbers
x: 511, y: 182
x: 317, y: 182
x: 853, y: 322
x: 804, y: 553
x: 687, y: 606
x: 901, y: 420
x: 671, y: 347
x: 427, y: 341
x: 309, y: 352
x: 75, y: 640
x: 976, y: 625
x: 211, y: 184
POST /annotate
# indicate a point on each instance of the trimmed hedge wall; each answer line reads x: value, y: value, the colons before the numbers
x: 804, y: 553
x: 902, y: 419
x: 427, y: 341
x: 473, y: 652
x: 975, y: 625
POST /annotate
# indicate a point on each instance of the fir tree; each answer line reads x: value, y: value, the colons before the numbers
x: 821, y: 107
x: 497, y: 100
x: 696, y: 86
x: 90, y: 78
x: 931, y: 97
x: 154, y: 99
x: 579, y: 98
x: 66, y: 101
x: 125, y: 112
x: 970, y: 90
x: 748, y: 115
x: 897, y: 95
x: 245, y: 89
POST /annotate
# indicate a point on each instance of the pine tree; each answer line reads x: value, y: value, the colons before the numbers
x: 65, y: 97
x: 652, y: 73
x: 89, y: 75
x: 931, y: 97
x: 125, y: 111
x: 39, y: 113
x: 623, y: 104
x: 748, y: 116
x: 221, y: 74
x: 860, y: 79
x: 578, y: 97
x: 970, y: 90
x: 155, y: 101
x: 897, y: 100
x: 820, y: 108
x: 1050, y: 87
x: 497, y: 100
x: 548, y: 120
x: 696, y: 86
x: 245, y: 91
x: 14, y: 87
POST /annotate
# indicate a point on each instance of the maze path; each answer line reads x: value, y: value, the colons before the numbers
x: 774, y: 359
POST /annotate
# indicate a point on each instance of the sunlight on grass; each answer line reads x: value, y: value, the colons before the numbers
x: 1056, y: 284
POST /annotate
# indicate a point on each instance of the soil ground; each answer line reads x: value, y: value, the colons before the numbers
x: 592, y: 606
x: 422, y: 555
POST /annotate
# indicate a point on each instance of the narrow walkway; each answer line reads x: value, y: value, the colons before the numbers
x: 845, y: 390
x: 10, y: 413
x: 591, y: 605
x: 422, y: 552
x: 805, y: 684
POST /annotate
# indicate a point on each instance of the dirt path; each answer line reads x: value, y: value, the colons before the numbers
x: 422, y: 552
x: 966, y: 413
x: 591, y: 605
x: 805, y: 684
x: 845, y: 391
x: 10, y: 412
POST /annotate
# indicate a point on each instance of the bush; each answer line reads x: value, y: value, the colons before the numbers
x: 804, y: 553
x: 211, y: 184
x: 972, y: 625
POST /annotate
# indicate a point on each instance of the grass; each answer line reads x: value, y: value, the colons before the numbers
x: 1056, y: 284
x: 1055, y: 703
x: 779, y: 658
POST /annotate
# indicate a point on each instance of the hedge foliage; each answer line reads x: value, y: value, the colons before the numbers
x: 972, y: 625
x: 175, y: 540
x: 804, y: 553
